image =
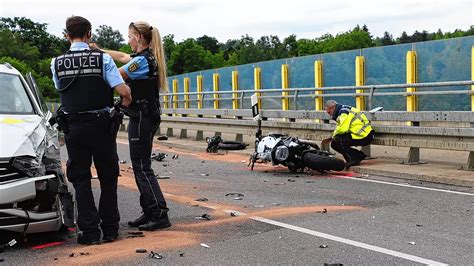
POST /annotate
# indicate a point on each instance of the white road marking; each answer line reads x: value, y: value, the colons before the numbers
x: 405, y: 185
x: 340, y: 239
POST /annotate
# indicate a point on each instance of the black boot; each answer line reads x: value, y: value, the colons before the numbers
x: 145, y: 218
x: 88, y: 238
x: 157, y: 222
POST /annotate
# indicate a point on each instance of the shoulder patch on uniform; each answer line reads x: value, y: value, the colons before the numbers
x: 133, y: 67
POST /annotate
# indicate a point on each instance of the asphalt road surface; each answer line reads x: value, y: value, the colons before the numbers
x: 280, y: 218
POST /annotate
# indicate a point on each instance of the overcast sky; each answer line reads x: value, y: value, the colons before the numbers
x: 232, y: 19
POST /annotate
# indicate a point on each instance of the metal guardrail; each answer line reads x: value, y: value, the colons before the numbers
x: 294, y: 93
x: 410, y: 131
x: 433, y: 130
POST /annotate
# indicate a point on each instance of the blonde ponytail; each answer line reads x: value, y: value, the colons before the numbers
x: 152, y: 36
x: 157, y: 50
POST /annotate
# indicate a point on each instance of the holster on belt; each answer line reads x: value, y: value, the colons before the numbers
x: 60, y: 118
x: 116, y: 119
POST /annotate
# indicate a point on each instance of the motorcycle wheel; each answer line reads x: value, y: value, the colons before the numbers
x: 231, y: 145
x: 322, y: 162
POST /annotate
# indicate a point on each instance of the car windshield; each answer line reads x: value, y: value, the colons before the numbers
x: 13, y: 96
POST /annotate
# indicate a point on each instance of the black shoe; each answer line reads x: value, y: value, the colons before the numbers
x: 88, y: 238
x: 109, y: 238
x: 352, y: 163
x: 140, y: 220
x: 156, y: 223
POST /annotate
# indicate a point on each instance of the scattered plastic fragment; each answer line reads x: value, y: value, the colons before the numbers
x: 323, y: 246
x: 236, y: 194
x: 181, y: 254
x: 85, y: 253
x: 204, y: 174
x: 162, y: 177
x: 333, y: 264
x: 205, y: 245
x: 158, y: 157
x: 204, y: 217
x: 291, y: 180
x: 259, y: 206
x: 9, y: 244
x: 325, y: 210
x: 135, y: 233
x: 175, y: 156
x: 71, y: 255
x: 243, y: 161
x: 419, y: 225
x: 162, y: 138
x: 411, y: 243
x: 203, y: 161
x: 123, y: 161
x: 140, y: 250
x: 276, y: 204
x: 48, y: 245
x: 201, y: 199
x: 309, y: 181
x: 155, y: 255
x: 234, y: 214
x: 266, y: 180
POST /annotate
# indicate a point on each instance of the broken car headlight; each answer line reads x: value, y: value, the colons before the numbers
x: 28, y: 165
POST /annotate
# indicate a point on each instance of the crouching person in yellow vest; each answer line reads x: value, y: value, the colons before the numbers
x: 352, y: 129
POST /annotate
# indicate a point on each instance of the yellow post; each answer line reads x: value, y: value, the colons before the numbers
x: 318, y: 83
x: 215, y: 85
x: 166, y: 100
x: 412, y: 76
x: 235, y: 88
x: 186, y: 83
x: 360, y: 81
x: 175, y: 97
x: 285, y: 103
x: 472, y: 76
x: 199, y: 90
x: 257, y: 84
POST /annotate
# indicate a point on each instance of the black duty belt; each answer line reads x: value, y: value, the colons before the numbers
x: 87, y: 116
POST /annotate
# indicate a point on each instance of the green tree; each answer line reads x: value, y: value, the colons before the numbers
x: 12, y: 45
x: 35, y: 34
x: 108, y: 38
x: 209, y: 43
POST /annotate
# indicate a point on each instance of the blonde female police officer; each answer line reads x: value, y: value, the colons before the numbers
x: 145, y: 70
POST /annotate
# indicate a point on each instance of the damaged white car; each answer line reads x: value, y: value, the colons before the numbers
x: 34, y: 196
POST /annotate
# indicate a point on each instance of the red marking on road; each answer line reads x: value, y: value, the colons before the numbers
x: 52, y: 244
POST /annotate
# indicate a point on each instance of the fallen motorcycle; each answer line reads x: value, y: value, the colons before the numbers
x: 294, y: 153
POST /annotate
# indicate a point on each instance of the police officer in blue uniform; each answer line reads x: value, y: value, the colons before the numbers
x: 145, y: 70
x: 85, y: 80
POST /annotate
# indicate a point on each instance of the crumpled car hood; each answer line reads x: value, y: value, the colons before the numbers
x: 21, y: 135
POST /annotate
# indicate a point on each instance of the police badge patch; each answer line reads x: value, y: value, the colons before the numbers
x: 133, y: 67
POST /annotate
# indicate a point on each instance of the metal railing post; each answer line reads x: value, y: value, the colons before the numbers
x: 412, y: 101
x: 215, y: 86
x: 257, y: 84
x: 284, y: 85
x: 235, y: 88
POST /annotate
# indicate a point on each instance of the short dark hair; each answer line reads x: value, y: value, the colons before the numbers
x: 77, y: 27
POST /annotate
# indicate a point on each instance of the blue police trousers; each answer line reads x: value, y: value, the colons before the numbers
x: 141, y: 131
x: 90, y: 139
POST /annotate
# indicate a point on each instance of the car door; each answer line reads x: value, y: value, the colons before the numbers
x: 37, y: 94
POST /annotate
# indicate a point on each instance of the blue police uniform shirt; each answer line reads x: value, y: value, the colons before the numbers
x: 137, y: 68
x: 111, y: 74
